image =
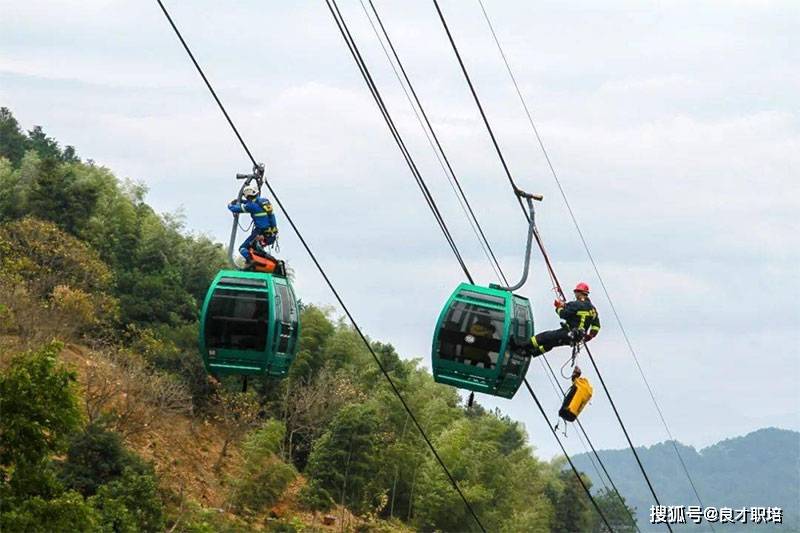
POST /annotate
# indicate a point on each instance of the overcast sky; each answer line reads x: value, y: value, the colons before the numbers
x: 673, y: 126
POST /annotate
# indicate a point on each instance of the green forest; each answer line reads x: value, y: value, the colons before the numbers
x: 110, y: 423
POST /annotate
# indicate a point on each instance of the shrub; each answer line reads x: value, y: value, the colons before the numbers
x: 130, y: 503
x: 132, y: 394
x: 264, y: 477
x: 68, y: 512
x: 95, y: 457
x: 174, y: 349
x: 47, y: 257
x: 39, y: 405
x: 314, y: 497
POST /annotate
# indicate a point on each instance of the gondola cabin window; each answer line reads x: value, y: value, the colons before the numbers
x: 472, y: 335
x: 238, y: 320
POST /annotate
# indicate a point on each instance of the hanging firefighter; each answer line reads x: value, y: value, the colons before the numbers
x: 579, y: 323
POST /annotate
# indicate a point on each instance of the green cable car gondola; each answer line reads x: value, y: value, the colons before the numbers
x: 474, y: 345
x: 249, y: 325
x: 250, y: 321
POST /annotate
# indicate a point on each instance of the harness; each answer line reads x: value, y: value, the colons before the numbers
x: 270, y: 232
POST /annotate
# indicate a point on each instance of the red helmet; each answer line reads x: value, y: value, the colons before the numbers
x: 581, y: 287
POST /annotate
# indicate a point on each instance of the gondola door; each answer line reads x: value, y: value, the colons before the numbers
x: 286, y: 328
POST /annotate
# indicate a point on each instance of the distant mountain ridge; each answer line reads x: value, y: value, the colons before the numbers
x: 760, y: 469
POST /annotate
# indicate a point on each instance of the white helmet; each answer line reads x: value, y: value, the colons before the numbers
x: 250, y: 190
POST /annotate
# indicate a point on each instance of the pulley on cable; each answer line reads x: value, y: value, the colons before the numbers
x: 474, y: 345
x: 250, y: 320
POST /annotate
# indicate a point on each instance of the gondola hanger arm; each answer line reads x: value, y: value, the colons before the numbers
x: 529, y: 199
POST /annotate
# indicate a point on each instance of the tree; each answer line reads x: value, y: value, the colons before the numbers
x: 13, y: 142
x: 130, y: 503
x: 317, y: 329
x: 238, y: 411
x: 67, y: 512
x: 62, y: 194
x: 616, y: 511
x: 573, y: 510
x: 309, y: 408
x: 39, y: 405
x: 345, y: 458
x: 39, y: 409
x: 47, y: 147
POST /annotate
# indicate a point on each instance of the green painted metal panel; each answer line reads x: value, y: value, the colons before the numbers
x: 259, y: 291
x: 462, y: 352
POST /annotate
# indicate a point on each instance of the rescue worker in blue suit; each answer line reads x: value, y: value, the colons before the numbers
x: 263, y: 218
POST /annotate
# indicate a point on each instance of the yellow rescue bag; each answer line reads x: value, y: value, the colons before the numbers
x: 576, y: 399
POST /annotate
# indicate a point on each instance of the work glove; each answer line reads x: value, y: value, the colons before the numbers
x: 558, y: 304
x: 589, y: 336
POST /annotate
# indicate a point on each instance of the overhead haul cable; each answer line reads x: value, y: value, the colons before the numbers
x: 373, y: 88
x: 541, y: 246
x: 433, y: 140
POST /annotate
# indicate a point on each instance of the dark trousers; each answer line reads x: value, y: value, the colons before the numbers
x: 244, y: 249
x: 548, y: 340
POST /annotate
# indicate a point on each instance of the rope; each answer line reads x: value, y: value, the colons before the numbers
x: 365, y: 73
x: 480, y: 107
x: 608, y: 395
x: 327, y: 279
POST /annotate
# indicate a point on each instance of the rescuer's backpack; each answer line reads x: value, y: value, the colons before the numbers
x: 576, y: 399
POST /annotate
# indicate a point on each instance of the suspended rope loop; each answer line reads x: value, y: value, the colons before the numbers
x: 328, y: 282
x: 563, y: 367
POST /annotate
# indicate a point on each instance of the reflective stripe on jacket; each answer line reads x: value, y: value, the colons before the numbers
x: 261, y: 211
x: 580, y: 314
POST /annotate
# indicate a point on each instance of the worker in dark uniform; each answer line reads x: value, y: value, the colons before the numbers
x: 580, y: 322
